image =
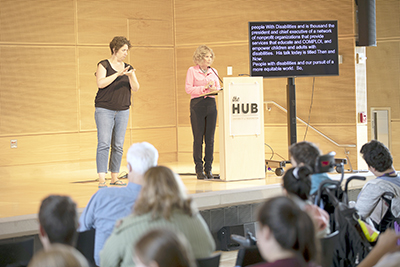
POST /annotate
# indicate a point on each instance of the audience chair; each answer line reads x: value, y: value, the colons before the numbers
x: 328, y: 245
x: 212, y: 261
x: 85, y: 245
x: 16, y: 253
x: 248, y: 256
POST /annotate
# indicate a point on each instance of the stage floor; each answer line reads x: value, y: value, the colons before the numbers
x: 24, y: 187
x: 22, y: 192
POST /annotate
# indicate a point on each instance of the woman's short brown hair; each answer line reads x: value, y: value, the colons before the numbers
x: 163, y: 192
x: 201, y: 52
x: 118, y: 42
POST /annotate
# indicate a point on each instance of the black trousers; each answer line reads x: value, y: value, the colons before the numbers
x: 203, y: 117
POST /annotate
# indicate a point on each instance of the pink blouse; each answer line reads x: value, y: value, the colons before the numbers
x: 196, y: 81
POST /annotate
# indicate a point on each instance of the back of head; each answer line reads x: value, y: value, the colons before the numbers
x: 297, y: 181
x: 59, y: 255
x: 292, y: 228
x: 163, y: 191
x: 141, y: 157
x: 305, y: 153
x: 377, y: 155
x: 166, y: 248
x: 59, y: 219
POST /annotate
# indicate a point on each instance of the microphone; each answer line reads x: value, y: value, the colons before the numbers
x: 216, y: 75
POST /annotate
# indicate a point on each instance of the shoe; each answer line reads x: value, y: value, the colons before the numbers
x: 209, y: 175
x: 200, y: 175
x: 102, y: 185
x: 118, y: 182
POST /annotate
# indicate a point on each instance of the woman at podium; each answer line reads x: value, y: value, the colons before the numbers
x: 200, y: 80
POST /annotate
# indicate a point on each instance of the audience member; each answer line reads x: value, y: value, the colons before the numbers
x: 58, y: 221
x: 296, y: 185
x: 163, y: 248
x: 386, y: 252
x: 306, y: 153
x: 58, y: 255
x: 108, y: 205
x: 380, y: 163
x: 162, y: 203
x: 286, y: 235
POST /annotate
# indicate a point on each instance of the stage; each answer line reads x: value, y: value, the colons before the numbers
x: 22, y: 192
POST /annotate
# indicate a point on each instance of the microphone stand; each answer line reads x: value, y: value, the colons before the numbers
x: 217, y: 76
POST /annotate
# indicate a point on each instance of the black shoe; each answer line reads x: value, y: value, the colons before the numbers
x: 200, y: 175
x: 209, y: 175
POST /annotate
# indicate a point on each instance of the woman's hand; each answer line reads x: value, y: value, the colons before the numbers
x: 125, y: 71
x: 132, y: 78
x: 211, y: 86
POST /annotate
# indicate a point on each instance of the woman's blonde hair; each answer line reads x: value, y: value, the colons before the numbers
x: 163, y: 192
x: 201, y: 52
x: 59, y: 255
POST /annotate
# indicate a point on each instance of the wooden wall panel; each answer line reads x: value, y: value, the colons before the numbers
x: 154, y: 103
x: 50, y: 148
x: 88, y: 59
x: 39, y: 21
x: 227, y: 21
x: 99, y: 21
x: 38, y: 90
x: 39, y: 149
x: 383, y: 68
x: 396, y: 144
x: 387, y: 19
x: 151, y: 32
x: 164, y: 139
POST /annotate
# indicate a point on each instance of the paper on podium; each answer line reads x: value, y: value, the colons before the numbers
x: 213, y: 93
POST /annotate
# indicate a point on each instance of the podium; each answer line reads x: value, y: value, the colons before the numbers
x: 241, y: 129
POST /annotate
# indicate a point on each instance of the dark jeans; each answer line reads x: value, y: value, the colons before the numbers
x: 203, y: 117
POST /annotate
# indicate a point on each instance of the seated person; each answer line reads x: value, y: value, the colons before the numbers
x: 59, y: 255
x: 58, y: 221
x: 162, y: 203
x: 296, y: 185
x: 109, y: 204
x: 163, y: 248
x: 380, y: 163
x: 306, y: 153
x: 386, y: 252
x: 286, y: 235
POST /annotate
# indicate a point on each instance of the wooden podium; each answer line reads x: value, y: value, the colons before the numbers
x: 241, y: 129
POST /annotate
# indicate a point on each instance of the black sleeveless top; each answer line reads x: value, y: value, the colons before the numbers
x: 117, y: 95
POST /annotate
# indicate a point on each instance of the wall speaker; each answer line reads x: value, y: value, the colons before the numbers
x: 366, y: 16
x: 224, y: 241
x: 223, y: 236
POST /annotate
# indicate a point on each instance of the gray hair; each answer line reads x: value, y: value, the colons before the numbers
x: 142, y: 156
